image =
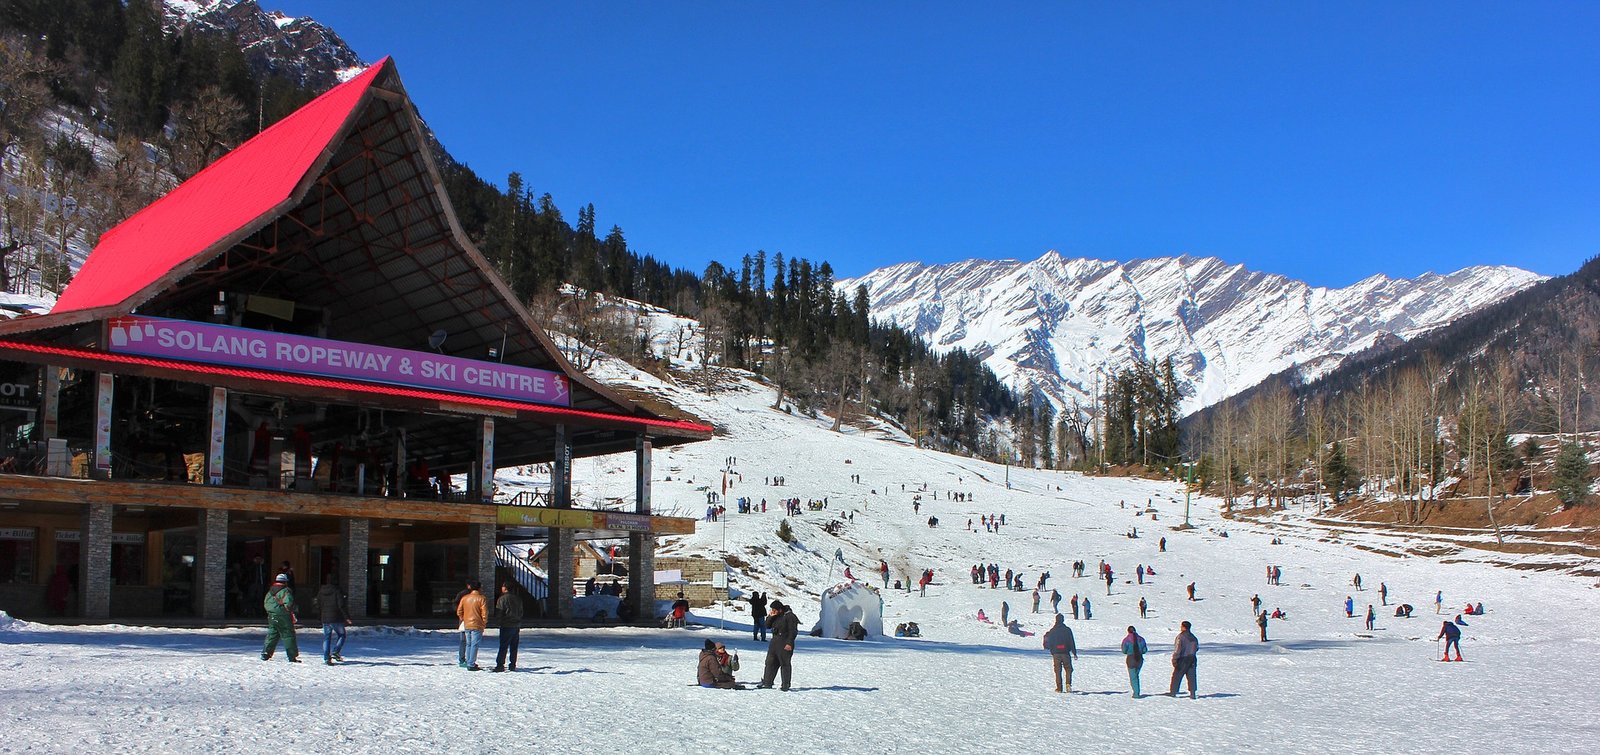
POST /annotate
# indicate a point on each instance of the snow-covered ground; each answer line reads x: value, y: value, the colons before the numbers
x: 1322, y: 683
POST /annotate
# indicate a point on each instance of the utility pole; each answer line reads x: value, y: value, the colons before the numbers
x: 1188, y: 485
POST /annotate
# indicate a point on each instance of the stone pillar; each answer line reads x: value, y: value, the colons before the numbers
x: 354, y: 535
x: 558, y: 556
x: 642, y: 545
x: 211, y: 564
x: 94, y: 561
x: 480, y: 556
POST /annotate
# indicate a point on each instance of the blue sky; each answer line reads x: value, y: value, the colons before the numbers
x: 1325, y: 141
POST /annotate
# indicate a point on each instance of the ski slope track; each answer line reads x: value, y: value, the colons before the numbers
x: 1322, y: 683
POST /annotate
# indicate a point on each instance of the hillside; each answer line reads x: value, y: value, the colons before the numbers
x: 963, y: 686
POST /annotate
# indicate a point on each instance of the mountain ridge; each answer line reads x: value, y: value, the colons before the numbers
x: 1050, y: 324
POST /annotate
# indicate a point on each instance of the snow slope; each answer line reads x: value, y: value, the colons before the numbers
x: 1053, y: 322
x: 1321, y: 683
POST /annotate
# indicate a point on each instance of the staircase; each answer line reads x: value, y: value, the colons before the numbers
x: 511, y: 563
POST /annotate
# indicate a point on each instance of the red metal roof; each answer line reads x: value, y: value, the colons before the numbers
x: 192, y: 368
x: 241, y: 187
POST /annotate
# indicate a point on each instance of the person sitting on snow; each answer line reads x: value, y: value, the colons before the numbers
x: 1479, y: 612
x: 1459, y: 622
x: 711, y: 673
x: 982, y: 617
x: 1277, y: 613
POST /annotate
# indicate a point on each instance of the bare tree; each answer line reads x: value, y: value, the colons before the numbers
x: 205, y: 127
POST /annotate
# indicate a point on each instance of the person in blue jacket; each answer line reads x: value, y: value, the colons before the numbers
x: 1349, y: 607
x: 1134, y: 648
x: 1452, y: 637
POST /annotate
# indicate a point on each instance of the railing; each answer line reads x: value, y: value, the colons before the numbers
x: 530, y: 580
x: 529, y: 498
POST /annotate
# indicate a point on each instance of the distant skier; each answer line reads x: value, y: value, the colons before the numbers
x: 1134, y: 648
x: 1452, y: 637
x: 1261, y: 621
x: 1059, y: 643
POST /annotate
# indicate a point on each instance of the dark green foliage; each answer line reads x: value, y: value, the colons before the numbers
x: 1339, y: 476
x: 1141, y: 406
x: 1572, y: 475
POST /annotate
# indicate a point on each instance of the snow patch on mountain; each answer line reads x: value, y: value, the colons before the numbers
x: 1056, y: 324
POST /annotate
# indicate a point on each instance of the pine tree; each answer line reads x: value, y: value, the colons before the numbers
x: 1337, y: 474
x: 1572, y: 475
x: 143, y: 73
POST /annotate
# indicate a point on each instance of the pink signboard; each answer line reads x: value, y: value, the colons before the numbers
x: 283, y: 352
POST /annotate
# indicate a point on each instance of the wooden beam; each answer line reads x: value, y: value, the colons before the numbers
x: 129, y: 493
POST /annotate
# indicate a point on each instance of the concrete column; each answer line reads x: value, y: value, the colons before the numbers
x: 486, y: 460
x: 558, y: 556
x: 211, y: 564
x: 215, y: 455
x: 642, y: 545
x: 94, y: 561
x: 50, y: 409
x: 104, y: 386
x: 480, y: 556
x: 354, y: 536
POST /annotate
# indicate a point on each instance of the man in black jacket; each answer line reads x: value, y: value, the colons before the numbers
x: 780, y: 650
x: 758, y: 613
x: 508, y: 613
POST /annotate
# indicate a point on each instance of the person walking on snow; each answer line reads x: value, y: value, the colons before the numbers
x: 1452, y: 637
x: 1191, y: 591
x: 1349, y: 607
x: 1035, y: 600
x: 1438, y: 602
x: 1074, y: 606
x: 1357, y: 582
x: 1255, y: 603
x: 1372, y: 618
x: 1261, y: 621
x: 1383, y: 592
x: 1088, y: 613
x: 330, y: 603
x: 279, y: 605
x: 1063, y: 649
x: 1143, y: 606
x: 1108, y: 581
x: 1055, y: 601
x: 1184, y: 650
x: 1139, y: 572
x: 1134, y: 648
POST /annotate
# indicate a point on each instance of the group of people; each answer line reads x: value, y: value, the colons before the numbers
x: 1063, y: 649
x: 278, y: 605
x: 716, y: 665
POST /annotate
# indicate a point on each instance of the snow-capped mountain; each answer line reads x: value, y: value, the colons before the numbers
x: 1053, y: 323
x: 299, y: 49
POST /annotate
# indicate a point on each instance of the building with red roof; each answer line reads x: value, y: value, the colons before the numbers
x: 297, y: 356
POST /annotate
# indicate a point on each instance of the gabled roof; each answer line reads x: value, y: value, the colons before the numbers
x: 339, y: 208
x: 238, y: 192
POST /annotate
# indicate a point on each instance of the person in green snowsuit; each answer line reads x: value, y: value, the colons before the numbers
x: 279, y: 604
